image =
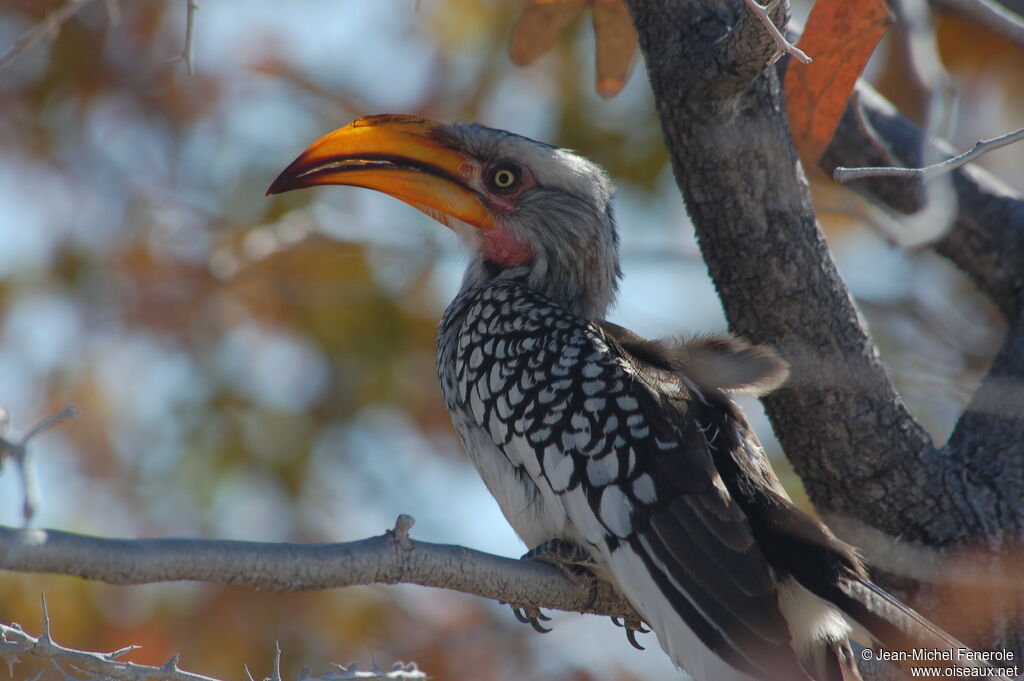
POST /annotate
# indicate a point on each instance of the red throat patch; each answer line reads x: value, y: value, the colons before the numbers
x: 503, y: 248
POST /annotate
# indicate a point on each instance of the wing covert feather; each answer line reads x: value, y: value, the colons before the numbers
x: 622, y: 446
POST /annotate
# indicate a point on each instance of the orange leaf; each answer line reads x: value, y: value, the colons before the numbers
x: 616, y: 43
x: 840, y: 36
x: 539, y: 26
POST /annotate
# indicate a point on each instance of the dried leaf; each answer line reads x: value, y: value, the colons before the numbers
x: 840, y: 36
x: 616, y: 45
x: 543, y: 21
x: 539, y: 26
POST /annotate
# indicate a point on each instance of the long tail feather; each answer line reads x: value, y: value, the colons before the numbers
x: 897, y: 627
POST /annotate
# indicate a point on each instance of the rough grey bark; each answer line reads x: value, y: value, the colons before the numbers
x: 859, y: 451
x: 986, y: 241
x: 388, y: 559
x: 985, y: 452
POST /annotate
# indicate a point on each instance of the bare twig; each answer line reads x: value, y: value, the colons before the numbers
x: 15, y: 641
x: 64, y: 414
x: 188, y: 53
x: 18, y: 452
x: 785, y: 47
x: 48, y: 27
x: 842, y: 174
x: 922, y: 51
x: 991, y: 15
x: 389, y: 559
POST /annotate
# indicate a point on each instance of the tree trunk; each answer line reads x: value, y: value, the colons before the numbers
x: 859, y: 451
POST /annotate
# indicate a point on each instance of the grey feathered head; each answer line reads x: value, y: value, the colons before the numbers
x: 525, y: 208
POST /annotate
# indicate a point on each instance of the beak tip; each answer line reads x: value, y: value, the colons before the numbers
x: 279, y: 185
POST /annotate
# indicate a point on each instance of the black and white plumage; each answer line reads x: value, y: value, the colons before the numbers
x: 584, y: 432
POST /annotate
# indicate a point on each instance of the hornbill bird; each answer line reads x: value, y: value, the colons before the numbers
x: 627, y: 453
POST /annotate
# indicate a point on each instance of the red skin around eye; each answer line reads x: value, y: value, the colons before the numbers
x: 502, y: 248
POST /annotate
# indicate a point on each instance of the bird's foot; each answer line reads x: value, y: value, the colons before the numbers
x: 572, y: 559
x: 569, y: 557
x: 532, y: 615
x: 632, y: 625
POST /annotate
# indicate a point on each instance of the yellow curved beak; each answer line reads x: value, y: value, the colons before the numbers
x: 403, y: 156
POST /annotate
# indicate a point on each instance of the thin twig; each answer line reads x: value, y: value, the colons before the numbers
x: 18, y: 452
x: 785, y: 47
x: 922, y: 53
x: 49, y: 26
x: 188, y: 52
x: 842, y: 174
x: 15, y: 641
x: 64, y: 414
x: 925, y: 64
x: 992, y: 16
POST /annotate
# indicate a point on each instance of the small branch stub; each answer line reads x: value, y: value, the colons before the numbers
x: 403, y: 524
x: 762, y: 12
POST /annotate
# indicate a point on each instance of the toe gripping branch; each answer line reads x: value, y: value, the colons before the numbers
x: 570, y: 558
x: 531, y: 615
x: 575, y: 561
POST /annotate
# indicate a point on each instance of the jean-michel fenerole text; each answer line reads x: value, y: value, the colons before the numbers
x: 934, y: 654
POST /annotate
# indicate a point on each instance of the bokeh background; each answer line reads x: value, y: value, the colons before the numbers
x: 263, y: 368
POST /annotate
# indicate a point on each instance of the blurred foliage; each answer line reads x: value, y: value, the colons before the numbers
x: 263, y: 368
x: 226, y: 349
x: 615, y: 41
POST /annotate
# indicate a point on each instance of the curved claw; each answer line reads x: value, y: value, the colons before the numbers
x: 631, y: 637
x: 532, y: 616
x: 538, y: 627
x: 618, y: 621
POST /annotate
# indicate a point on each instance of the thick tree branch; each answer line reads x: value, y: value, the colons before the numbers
x: 987, y: 242
x: 735, y: 46
x: 389, y: 559
x: 841, y: 422
x: 859, y: 451
x: 987, y: 442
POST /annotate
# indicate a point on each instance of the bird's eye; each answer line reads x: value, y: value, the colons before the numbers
x: 504, y: 177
